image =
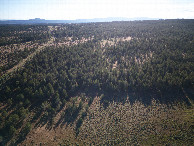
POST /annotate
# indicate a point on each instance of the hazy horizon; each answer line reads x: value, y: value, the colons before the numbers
x: 90, y: 9
x: 86, y: 18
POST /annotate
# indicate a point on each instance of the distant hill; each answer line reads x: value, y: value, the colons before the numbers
x: 109, y: 19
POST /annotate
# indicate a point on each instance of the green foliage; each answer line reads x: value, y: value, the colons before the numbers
x: 11, y: 131
x: 27, y: 128
x: 20, y: 97
x: 153, y: 61
x: 78, y: 125
x: 1, y: 139
x: 157, y: 61
x: 13, y: 119
x: 4, y: 113
x: 22, y: 112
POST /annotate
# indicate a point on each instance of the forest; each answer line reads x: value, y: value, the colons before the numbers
x: 79, y: 75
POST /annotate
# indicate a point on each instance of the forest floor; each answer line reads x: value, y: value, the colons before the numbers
x: 157, y: 124
x: 67, y: 42
x: 103, y: 122
x: 114, y: 41
x: 39, y: 49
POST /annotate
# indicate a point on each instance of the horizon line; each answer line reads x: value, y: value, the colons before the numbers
x: 146, y: 18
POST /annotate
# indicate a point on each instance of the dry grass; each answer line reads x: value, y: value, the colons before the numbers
x: 143, y: 58
x: 40, y: 48
x: 131, y: 123
x: 67, y: 41
x: 114, y: 65
x: 119, y: 124
x: 5, y: 50
x: 114, y: 41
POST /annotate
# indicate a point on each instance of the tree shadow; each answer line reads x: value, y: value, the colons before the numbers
x: 72, y: 111
x: 169, y: 96
x: 69, y: 116
x: 79, y: 123
x: 43, y: 120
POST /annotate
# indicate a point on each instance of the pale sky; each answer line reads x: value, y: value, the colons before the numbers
x: 86, y: 9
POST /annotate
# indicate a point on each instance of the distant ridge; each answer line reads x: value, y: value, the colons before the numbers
x: 39, y: 21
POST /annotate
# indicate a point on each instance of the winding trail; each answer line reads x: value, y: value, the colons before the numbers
x: 40, y: 48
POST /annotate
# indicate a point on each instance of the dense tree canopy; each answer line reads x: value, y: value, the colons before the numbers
x: 143, y: 59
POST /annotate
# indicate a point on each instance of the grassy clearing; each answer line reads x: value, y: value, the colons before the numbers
x: 121, y: 124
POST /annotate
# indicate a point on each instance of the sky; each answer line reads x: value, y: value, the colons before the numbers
x: 87, y: 9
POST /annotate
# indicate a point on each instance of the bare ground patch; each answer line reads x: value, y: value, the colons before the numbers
x: 114, y: 41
